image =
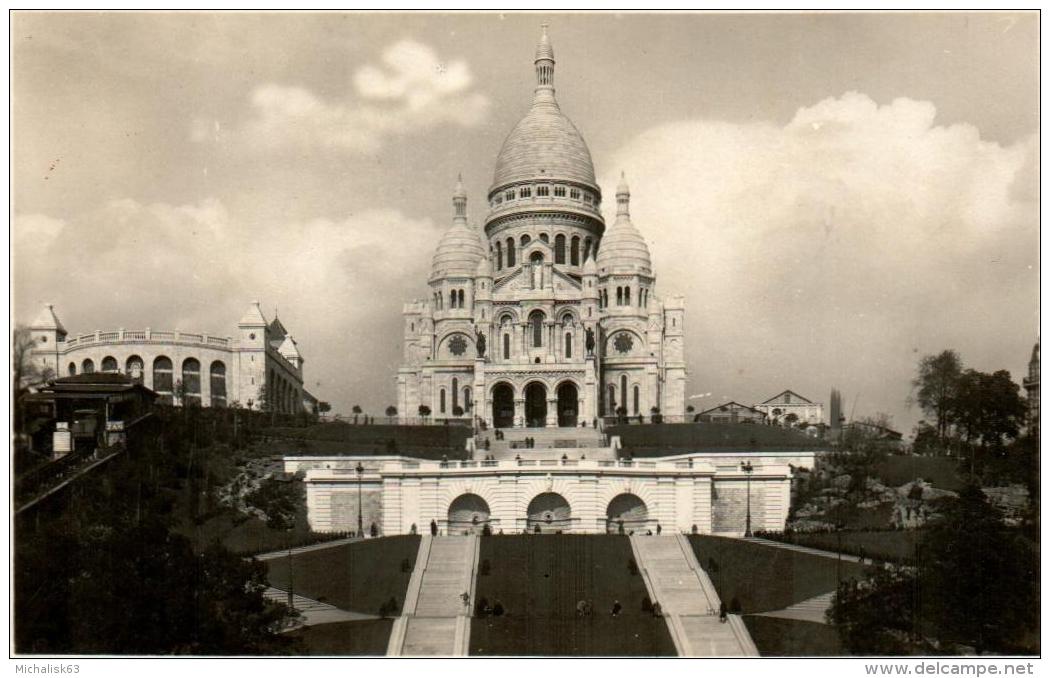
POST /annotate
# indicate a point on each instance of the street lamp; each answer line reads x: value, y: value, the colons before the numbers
x: 748, y: 469
x: 360, y: 521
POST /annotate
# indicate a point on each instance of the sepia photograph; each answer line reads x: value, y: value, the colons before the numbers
x: 508, y: 334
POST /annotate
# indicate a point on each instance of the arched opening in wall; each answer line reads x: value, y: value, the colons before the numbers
x: 549, y: 513
x: 626, y: 513
x: 88, y: 366
x: 610, y: 400
x: 506, y: 346
x: 466, y: 398
x: 536, y: 319
x: 503, y: 405
x: 510, y: 252
x: 636, y: 403
x: 574, y: 251
x: 442, y: 401
x: 191, y: 382
x: 455, y: 395
x: 536, y: 405
x: 559, y: 249
x: 587, y: 253
x: 623, y: 392
x: 536, y: 258
x: 568, y: 404
x: 627, y: 296
x: 109, y: 365
x: 72, y: 369
x: 499, y: 256
x: 163, y: 383
x: 468, y: 514
x: 545, y: 238
x: 568, y: 345
x: 218, y: 384
x: 462, y: 296
x: 525, y: 240
x: 619, y: 296
x: 135, y: 368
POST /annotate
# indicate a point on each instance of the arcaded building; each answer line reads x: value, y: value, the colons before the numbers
x: 546, y: 316
x: 262, y: 362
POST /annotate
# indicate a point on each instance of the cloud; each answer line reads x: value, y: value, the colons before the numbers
x: 340, y: 283
x: 836, y: 249
x: 412, y: 90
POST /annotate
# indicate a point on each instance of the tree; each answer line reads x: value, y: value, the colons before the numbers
x: 356, y: 409
x: 324, y: 407
x: 690, y: 409
x: 987, y: 408
x: 391, y: 411
x: 935, y: 388
x: 457, y: 411
x: 424, y: 411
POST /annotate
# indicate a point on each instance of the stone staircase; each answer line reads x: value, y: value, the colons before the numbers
x: 811, y: 610
x: 313, y: 612
x: 688, y: 599
x: 435, y: 620
x: 549, y: 443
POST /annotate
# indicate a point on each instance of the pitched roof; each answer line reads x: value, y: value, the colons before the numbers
x: 47, y: 320
x: 289, y: 349
x: 253, y: 316
x: 732, y: 404
x: 774, y: 400
x: 277, y: 329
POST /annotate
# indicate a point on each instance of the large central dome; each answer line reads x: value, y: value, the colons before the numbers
x: 544, y: 144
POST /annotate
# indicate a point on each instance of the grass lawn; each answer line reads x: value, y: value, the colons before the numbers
x: 792, y: 638
x: 892, y: 545
x: 653, y: 440
x: 427, y: 442
x: 765, y: 578
x: 599, y: 635
x: 358, y: 577
x: 367, y: 637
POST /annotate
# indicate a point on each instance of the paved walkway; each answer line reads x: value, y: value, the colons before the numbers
x: 811, y: 610
x: 303, y: 549
x: 313, y: 612
x: 803, y: 549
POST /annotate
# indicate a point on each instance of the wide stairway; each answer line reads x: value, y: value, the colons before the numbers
x: 436, y: 620
x: 548, y: 443
x: 688, y: 599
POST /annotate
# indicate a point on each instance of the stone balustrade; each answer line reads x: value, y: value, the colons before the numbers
x: 123, y: 336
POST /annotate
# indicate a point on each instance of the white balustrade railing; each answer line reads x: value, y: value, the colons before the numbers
x: 114, y: 336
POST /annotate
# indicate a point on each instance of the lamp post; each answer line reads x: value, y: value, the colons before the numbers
x: 748, y: 469
x: 360, y: 521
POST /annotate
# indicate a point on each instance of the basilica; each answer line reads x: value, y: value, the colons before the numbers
x: 546, y: 316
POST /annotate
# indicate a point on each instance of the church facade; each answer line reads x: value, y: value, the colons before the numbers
x: 544, y: 316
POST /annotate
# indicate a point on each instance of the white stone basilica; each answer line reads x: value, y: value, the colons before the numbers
x: 546, y: 318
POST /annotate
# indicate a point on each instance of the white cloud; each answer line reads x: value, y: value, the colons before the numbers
x: 412, y: 90
x: 339, y: 283
x: 827, y: 251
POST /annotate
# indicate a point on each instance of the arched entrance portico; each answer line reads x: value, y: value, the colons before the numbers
x: 503, y: 405
x: 549, y: 512
x: 626, y: 512
x: 536, y: 405
x: 568, y: 402
x: 468, y: 514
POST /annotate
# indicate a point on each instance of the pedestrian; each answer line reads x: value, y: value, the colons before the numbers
x: 465, y: 597
x: 657, y: 610
x: 616, y: 608
x: 659, y: 529
x: 581, y: 608
x: 565, y: 457
x: 497, y: 609
x: 723, y: 613
x: 433, y: 528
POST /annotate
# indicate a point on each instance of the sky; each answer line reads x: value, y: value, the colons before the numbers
x: 835, y: 195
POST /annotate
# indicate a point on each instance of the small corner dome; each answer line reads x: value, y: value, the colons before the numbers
x: 458, y: 253
x: 484, y: 269
x: 623, y: 249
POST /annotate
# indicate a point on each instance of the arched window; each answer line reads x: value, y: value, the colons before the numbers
x: 536, y: 258
x: 627, y: 296
x: 88, y: 366
x: 623, y: 390
x: 525, y: 240
x: 568, y: 344
x: 162, y: 376
x: 462, y: 304
x: 134, y: 368
x: 72, y: 369
x: 619, y: 296
x: 636, y: 399
x: 510, y: 252
x: 536, y: 320
x: 545, y: 238
x: 442, y: 395
x: 218, y: 384
x: 587, y: 249
x: 109, y: 364
x: 499, y: 256
x: 466, y: 398
x: 506, y: 346
x: 191, y: 381
x: 574, y: 251
x: 452, y: 299
x: 455, y: 394
x: 559, y: 249
x: 610, y: 406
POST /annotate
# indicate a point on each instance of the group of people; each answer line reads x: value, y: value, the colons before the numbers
x: 483, y: 609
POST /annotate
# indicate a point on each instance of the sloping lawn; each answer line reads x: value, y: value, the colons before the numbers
x: 539, y: 579
x: 892, y: 545
x: 359, y: 577
x: 941, y: 472
x: 654, y: 440
x: 367, y: 637
x: 427, y: 442
x: 764, y: 578
x: 792, y: 638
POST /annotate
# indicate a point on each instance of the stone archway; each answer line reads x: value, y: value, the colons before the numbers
x: 503, y: 405
x: 536, y: 405
x: 468, y: 514
x: 627, y: 512
x: 550, y: 512
x: 568, y: 402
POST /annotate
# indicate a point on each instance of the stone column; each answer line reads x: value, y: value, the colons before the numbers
x: 519, y: 411
x: 552, y: 410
